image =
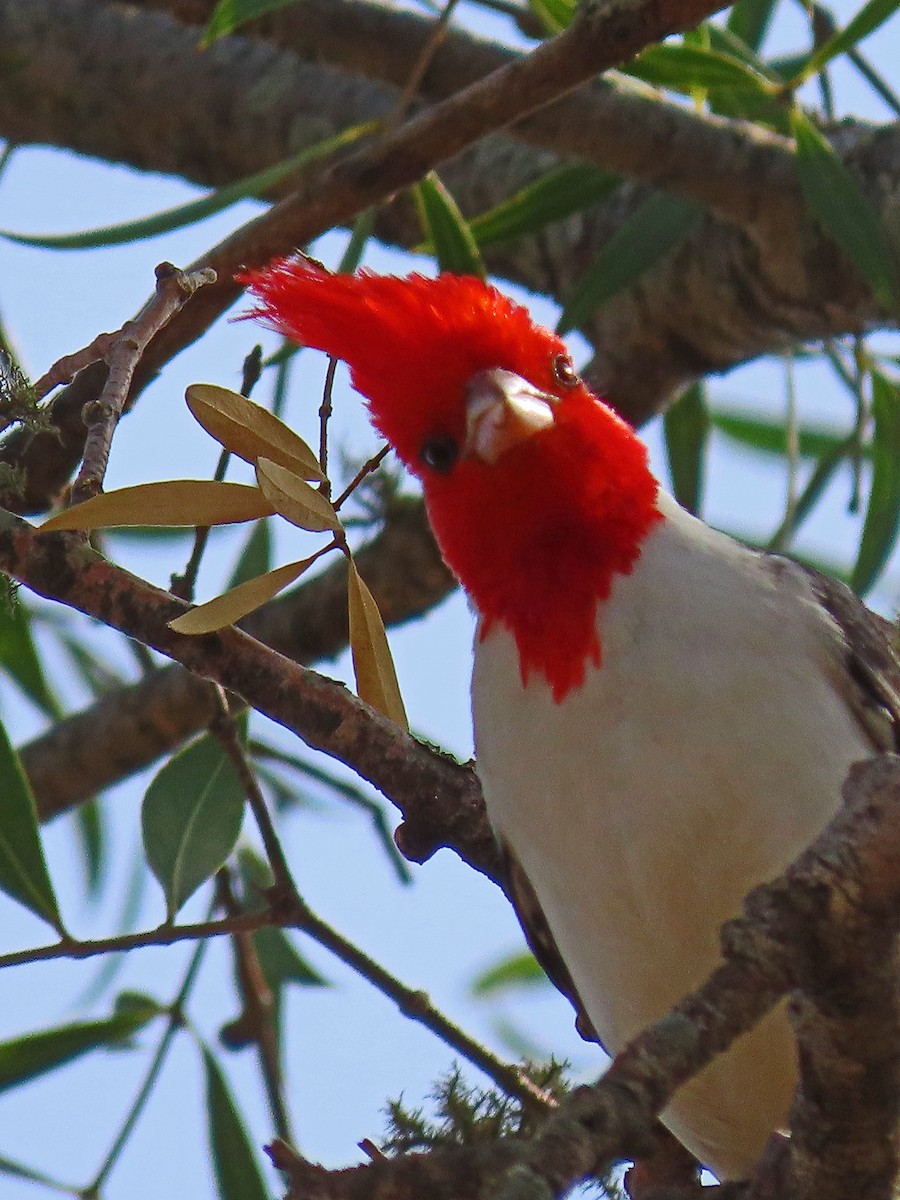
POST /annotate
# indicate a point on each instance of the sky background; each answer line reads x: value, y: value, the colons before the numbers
x: 347, y: 1049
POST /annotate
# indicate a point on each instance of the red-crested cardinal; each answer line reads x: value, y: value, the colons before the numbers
x: 663, y: 717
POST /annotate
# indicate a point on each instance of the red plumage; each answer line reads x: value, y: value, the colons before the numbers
x: 536, y: 537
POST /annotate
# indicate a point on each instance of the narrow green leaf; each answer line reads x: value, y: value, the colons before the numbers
x: 19, y: 656
x: 23, y: 870
x: 229, y: 15
x: 256, y: 556
x: 835, y: 199
x: 806, y: 501
x: 9, y: 1166
x: 686, y: 428
x: 725, y: 41
x: 553, y: 197
x: 556, y: 15
x: 446, y: 228
x: 866, y: 21
x: 91, y: 836
x: 96, y: 674
x: 875, y: 81
x: 882, y: 522
x: 660, y: 224
x: 282, y: 962
x: 35, y: 1054
x: 683, y: 68
x: 360, y: 233
x: 195, y: 210
x: 237, y: 1169
x: 749, y: 20
x: 768, y: 435
x: 191, y: 819
x: 514, y: 973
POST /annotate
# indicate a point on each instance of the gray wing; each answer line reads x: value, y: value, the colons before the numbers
x: 871, y: 657
x: 540, y: 940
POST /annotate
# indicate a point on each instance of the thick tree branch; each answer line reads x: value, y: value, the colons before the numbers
x: 807, y: 931
x: 725, y: 297
x: 434, y: 791
x: 619, y: 126
x: 131, y: 727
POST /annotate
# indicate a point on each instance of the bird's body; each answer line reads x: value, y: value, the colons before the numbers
x: 717, y: 744
x: 663, y: 718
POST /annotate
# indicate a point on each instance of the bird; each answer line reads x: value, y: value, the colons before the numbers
x: 663, y: 717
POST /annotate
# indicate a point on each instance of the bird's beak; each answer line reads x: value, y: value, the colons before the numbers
x: 502, y: 410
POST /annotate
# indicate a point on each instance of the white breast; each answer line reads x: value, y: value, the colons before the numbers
x: 703, y: 754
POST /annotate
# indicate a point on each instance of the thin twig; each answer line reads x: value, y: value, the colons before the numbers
x: 66, y: 368
x: 256, y: 1023
x: 122, y: 352
x: 224, y: 730
x: 424, y: 61
x: 366, y: 469
x: 163, y: 935
x: 348, y: 791
x: 417, y: 1006
x: 325, y: 410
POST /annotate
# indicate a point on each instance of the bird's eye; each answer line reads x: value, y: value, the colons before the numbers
x: 440, y: 453
x: 563, y: 370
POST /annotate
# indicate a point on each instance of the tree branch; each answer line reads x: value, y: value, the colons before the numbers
x: 617, y: 125
x: 129, y: 728
x: 725, y: 297
x: 431, y: 789
x: 808, y: 930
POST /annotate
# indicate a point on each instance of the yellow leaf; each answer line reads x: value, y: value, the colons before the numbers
x: 294, y: 499
x: 170, y: 502
x: 376, y: 679
x: 236, y: 603
x: 249, y: 431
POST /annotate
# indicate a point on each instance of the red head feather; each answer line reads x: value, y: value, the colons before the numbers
x: 537, y: 537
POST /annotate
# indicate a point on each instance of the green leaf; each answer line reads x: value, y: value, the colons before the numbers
x: 9, y: 1166
x: 361, y: 231
x: 835, y: 199
x: 866, y: 21
x: 822, y: 475
x: 256, y: 556
x: 35, y: 1054
x: 19, y: 657
x: 749, y: 20
x: 556, y: 15
x: 191, y: 819
x: 23, y: 870
x: 196, y: 210
x: 446, y: 229
x: 875, y: 81
x: 517, y: 971
x: 237, y: 1169
x: 553, y: 197
x: 89, y: 825
x: 684, y: 68
x: 882, y: 522
x: 282, y: 962
x: 229, y: 15
x: 654, y: 229
x: 686, y: 427
x: 769, y: 436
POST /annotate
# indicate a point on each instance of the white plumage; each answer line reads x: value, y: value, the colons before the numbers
x: 706, y: 751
